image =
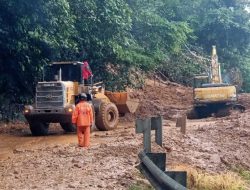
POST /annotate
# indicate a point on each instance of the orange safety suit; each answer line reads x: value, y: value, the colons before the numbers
x: 83, y: 118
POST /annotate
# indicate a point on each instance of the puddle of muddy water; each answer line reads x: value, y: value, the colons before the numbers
x: 12, y: 142
x: 9, y: 143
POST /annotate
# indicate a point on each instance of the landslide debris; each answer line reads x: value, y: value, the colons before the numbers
x: 168, y: 100
x: 212, y: 144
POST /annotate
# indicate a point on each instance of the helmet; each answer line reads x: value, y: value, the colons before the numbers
x: 82, y: 96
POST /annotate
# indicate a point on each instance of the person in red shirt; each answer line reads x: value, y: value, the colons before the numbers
x: 82, y: 117
x: 86, y: 72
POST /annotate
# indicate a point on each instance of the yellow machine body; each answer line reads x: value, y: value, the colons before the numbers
x: 57, y: 95
x: 220, y: 94
x: 211, y: 95
x: 213, y: 90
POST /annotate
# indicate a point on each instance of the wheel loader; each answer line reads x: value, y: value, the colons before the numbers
x: 57, y: 95
x: 211, y: 96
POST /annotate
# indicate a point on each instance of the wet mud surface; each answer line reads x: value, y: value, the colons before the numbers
x: 56, y: 162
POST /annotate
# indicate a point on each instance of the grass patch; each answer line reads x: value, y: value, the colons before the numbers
x: 203, y: 181
x: 245, y: 174
x: 140, y: 185
x: 199, y: 180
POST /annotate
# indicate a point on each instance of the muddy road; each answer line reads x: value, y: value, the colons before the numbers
x: 56, y: 162
x: 15, y: 136
x: 213, y: 145
x: 10, y: 143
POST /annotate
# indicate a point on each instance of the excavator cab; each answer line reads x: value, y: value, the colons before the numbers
x: 200, y: 80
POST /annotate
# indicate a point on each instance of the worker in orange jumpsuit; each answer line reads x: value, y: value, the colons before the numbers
x: 83, y: 118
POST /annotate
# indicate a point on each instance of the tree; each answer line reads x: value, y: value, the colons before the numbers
x: 32, y: 33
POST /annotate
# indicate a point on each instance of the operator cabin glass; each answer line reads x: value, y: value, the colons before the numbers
x: 70, y: 72
x: 200, y: 81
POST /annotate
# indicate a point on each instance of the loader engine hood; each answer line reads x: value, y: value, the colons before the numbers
x: 54, y: 94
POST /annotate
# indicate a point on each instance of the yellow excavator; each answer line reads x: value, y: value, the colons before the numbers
x: 57, y: 95
x: 211, y: 96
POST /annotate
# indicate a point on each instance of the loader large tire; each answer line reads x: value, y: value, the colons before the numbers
x: 68, y: 127
x: 38, y: 128
x: 107, y: 117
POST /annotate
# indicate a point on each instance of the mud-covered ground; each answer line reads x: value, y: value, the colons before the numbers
x: 56, y: 162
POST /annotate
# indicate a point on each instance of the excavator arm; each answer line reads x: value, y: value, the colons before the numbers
x: 215, y: 75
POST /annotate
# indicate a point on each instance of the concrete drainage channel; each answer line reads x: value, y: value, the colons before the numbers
x: 153, y: 165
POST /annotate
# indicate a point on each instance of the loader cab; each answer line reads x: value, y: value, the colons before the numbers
x: 63, y: 71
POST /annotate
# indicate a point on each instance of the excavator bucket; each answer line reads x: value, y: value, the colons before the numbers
x: 124, y: 103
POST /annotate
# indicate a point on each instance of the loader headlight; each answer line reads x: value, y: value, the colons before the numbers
x: 95, y: 90
x: 28, y: 109
x: 69, y: 108
x: 233, y: 96
x: 196, y: 98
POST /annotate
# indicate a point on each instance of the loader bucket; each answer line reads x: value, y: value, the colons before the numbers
x: 124, y: 103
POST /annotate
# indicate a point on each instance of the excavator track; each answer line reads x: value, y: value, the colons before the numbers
x: 213, y: 110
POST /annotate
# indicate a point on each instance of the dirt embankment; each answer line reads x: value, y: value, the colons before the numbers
x: 168, y: 100
x: 55, y: 162
x: 244, y: 99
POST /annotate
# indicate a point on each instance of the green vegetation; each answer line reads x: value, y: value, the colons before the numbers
x: 140, y: 186
x: 245, y: 174
x: 141, y: 182
x: 120, y: 38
